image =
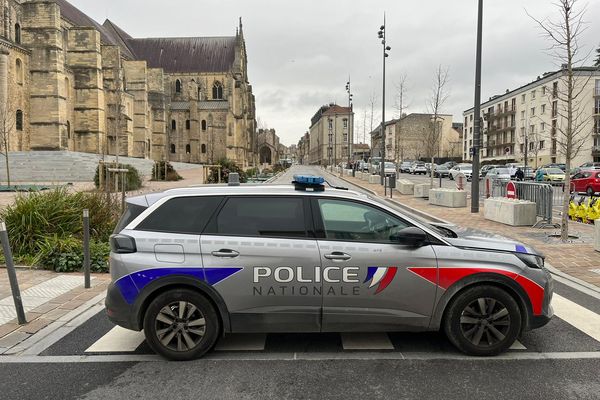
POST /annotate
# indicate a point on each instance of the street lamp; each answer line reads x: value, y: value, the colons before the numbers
x: 350, y: 125
x: 381, y: 35
x: 477, y: 117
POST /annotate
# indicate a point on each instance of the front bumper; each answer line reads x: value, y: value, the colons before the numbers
x: 119, y: 311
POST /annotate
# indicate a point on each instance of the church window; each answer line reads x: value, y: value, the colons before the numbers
x: 188, y: 149
x: 203, y: 124
x: 188, y: 124
x: 19, y: 67
x: 177, y: 86
x: 203, y: 149
x: 173, y: 149
x: 18, y: 33
x: 217, y: 91
x: 173, y: 125
x: 19, y: 121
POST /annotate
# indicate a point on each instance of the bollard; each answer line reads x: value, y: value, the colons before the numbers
x: 12, y: 275
x: 86, y: 248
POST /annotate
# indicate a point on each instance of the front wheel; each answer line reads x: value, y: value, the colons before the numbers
x: 590, y: 191
x: 181, y: 325
x: 483, y: 321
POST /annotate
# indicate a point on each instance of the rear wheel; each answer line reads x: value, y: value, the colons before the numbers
x: 590, y: 191
x: 483, y: 321
x: 181, y: 325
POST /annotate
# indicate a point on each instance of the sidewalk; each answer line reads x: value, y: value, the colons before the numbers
x: 47, y: 296
x: 577, y: 259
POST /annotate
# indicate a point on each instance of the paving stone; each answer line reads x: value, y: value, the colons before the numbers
x: 8, y: 328
x: 13, y: 339
x: 35, y: 326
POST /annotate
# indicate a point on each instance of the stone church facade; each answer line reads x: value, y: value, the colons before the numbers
x: 69, y: 83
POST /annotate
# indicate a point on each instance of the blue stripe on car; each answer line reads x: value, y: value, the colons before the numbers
x: 521, y: 249
x: 131, y: 285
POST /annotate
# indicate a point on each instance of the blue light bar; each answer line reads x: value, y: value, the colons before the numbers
x: 308, y: 180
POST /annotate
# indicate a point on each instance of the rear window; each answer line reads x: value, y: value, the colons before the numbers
x: 187, y: 215
x: 262, y: 216
x: 131, y: 212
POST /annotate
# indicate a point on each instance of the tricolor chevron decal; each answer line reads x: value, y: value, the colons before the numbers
x: 381, y: 276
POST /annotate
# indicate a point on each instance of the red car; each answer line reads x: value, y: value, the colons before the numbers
x: 587, y: 181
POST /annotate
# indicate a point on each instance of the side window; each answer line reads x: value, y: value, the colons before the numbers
x: 262, y: 216
x: 181, y: 215
x: 346, y: 220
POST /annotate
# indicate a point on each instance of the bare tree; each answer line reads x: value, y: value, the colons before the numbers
x: 7, y: 127
x: 597, y: 61
x: 564, y: 34
x: 439, y: 96
x: 373, y: 117
x: 399, y: 106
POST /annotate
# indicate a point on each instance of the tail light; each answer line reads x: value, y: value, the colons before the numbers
x: 122, y: 244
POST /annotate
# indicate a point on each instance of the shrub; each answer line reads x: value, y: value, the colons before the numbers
x: 227, y: 166
x: 66, y: 255
x: 134, y: 180
x: 158, y: 172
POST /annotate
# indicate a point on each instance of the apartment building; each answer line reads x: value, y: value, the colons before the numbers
x: 529, y: 120
x: 330, y: 135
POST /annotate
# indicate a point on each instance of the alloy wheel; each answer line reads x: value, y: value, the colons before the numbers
x: 485, y: 322
x: 180, y: 326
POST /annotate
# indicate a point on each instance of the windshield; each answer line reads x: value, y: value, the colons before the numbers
x: 554, y: 171
x: 390, y: 165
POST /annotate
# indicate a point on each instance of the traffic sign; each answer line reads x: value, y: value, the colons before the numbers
x: 511, y: 190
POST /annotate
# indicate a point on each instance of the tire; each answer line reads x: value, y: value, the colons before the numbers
x: 590, y: 191
x: 467, y: 329
x: 186, y: 342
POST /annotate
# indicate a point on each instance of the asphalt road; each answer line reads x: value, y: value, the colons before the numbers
x: 558, y: 361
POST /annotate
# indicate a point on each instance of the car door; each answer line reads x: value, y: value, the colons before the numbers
x: 367, y: 280
x: 576, y: 181
x: 262, y: 245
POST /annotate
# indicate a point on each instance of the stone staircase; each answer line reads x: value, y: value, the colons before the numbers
x: 66, y: 166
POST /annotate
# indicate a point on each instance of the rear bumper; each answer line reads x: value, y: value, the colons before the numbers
x: 118, y: 310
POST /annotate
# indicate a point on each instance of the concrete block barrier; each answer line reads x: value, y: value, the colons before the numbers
x: 365, y: 176
x: 510, y: 211
x: 374, y: 179
x: 422, y: 190
x: 404, y: 186
x: 359, y: 175
x: 451, y: 198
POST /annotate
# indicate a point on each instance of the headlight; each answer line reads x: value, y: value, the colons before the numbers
x: 531, y: 260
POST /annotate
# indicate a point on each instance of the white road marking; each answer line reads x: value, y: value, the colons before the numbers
x: 366, y: 341
x: 39, y: 294
x: 117, y: 340
x: 580, y: 317
x: 517, y: 346
x: 242, y: 342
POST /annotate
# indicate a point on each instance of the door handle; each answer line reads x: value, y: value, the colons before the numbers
x: 225, y: 253
x: 338, y: 256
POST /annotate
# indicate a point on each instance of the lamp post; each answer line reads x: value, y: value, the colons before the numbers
x: 350, y: 125
x: 477, y: 116
x: 381, y: 35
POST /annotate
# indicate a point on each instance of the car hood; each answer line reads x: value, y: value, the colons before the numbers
x: 492, y: 244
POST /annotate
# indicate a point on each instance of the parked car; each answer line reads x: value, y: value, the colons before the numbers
x: 466, y: 169
x: 418, y: 168
x: 390, y: 168
x: 236, y: 246
x: 365, y: 166
x: 586, y: 181
x: 484, y: 170
x: 552, y: 175
x: 405, y: 166
x: 441, y: 170
x: 499, y: 173
x: 555, y: 165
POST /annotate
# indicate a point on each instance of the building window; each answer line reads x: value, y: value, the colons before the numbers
x: 67, y: 88
x: 330, y: 124
x: 187, y: 124
x: 554, y: 109
x: 542, y: 127
x: 597, y: 92
x: 531, y: 128
x: 217, y: 91
x: 345, y: 123
x: 203, y: 149
x: 532, y: 111
x: 172, y: 149
x: 177, y: 86
x: 555, y: 90
x: 19, y: 121
x: 543, y: 90
x: 18, y: 33
x: 203, y: 124
x: 68, y: 130
x: 346, y: 138
x: 471, y: 117
x: 523, y: 98
x: 543, y: 109
x: 541, y: 144
x: 533, y: 94
x: 531, y: 144
x: 173, y: 125
x: 522, y: 114
x: 522, y: 148
x: 188, y: 149
x: 19, y: 67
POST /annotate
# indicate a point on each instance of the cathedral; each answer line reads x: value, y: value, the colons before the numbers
x: 70, y: 83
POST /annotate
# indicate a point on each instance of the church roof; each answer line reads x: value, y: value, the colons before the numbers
x: 194, y: 54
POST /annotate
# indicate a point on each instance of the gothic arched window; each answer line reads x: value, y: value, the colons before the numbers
x: 173, y: 125
x: 203, y: 124
x: 19, y: 120
x: 217, y: 91
x: 177, y: 86
x: 173, y: 149
x: 188, y: 149
x: 18, y: 33
x: 203, y: 149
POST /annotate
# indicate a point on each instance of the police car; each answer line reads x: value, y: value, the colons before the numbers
x: 190, y: 265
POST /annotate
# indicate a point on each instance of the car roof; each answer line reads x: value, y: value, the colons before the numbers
x: 242, y: 190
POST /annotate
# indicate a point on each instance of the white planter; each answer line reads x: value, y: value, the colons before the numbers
x: 451, y: 198
x: 404, y: 186
x: 374, y: 179
x: 510, y: 211
x: 422, y: 190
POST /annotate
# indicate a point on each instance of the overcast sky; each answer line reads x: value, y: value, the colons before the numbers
x: 300, y: 53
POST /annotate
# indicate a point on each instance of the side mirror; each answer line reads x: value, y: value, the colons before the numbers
x: 411, y: 236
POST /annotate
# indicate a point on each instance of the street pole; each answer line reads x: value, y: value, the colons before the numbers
x: 382, y: 164
x: 86, y: 248
x: 477, y: 116
x: 12, y: 275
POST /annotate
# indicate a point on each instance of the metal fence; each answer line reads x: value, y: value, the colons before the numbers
x: 544, y: 195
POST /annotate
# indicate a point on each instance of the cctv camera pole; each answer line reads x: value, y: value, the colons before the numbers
x: 477, y: 117
x: 381, y: 35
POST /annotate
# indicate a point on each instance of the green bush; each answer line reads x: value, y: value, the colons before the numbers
x: 134, y: 180
x: 66, y: 255
x: 158, y: 172
x: 227, y: 166
x: 44, y: 223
